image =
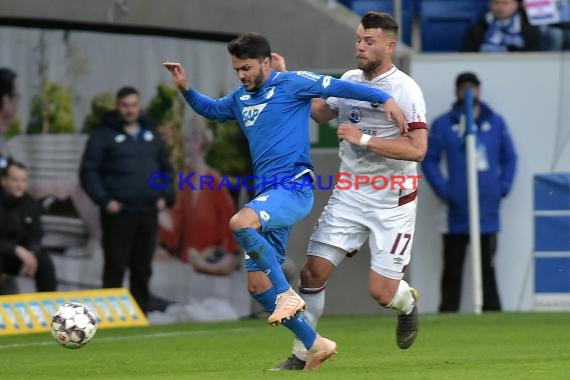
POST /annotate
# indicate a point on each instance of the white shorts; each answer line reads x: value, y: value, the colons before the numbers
x: 341, y: 230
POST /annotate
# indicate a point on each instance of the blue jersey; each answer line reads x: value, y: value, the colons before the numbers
x: 275, y: 118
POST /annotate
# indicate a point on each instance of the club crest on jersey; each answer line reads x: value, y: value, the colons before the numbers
x: 270, y: 92
x: 355, y: 115
x: 251, y: 113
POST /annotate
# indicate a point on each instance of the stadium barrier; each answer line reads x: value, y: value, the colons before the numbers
x: 32, y: 312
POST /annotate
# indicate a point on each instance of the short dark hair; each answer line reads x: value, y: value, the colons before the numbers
x: 250, y: 46
x: 12, y: 164
x: 379, y: 20
x: 7, y: 83
x: 467, y: 77
x: 126, y: 91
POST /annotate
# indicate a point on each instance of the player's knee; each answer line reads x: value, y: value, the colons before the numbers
x: 311, y: 277
x: 235, y: 223
x: 258, y: 282
x: 245, y: 218
x: 255, y: 288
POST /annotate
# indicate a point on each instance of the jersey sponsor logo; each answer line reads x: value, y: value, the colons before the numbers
x: 309, y: 75
x: 355, y: 115
x: 270, y: 92
x: 251, y: 113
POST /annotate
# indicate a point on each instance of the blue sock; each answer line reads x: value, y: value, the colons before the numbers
x: 297, y: 324
x: 264, y: 256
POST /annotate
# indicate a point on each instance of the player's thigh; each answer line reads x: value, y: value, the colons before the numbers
x: 391, y: 239
x: 339, y: 232
x: 281, y: 207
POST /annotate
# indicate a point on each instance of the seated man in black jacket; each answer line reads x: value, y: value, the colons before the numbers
x: 124, y: 170
x: 21, y: 231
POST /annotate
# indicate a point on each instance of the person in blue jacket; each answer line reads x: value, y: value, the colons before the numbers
x: 496, y: 164
x: 273, y: 110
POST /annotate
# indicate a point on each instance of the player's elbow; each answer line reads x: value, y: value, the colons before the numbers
x: 419, y: 155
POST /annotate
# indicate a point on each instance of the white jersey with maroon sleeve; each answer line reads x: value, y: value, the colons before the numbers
x: 382, y: 182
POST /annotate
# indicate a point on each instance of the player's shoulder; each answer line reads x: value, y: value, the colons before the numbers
x: 297, y: 76
x: 354, y: 75
x: 405, y: 81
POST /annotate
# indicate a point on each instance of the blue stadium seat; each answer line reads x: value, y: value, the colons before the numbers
x: 443, y: 22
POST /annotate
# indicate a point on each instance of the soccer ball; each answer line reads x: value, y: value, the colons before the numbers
x: 73, y: 325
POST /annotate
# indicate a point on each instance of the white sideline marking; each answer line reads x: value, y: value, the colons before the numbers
x: 50, y: 341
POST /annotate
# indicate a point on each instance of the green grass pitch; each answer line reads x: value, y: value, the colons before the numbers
x: 504, y: 346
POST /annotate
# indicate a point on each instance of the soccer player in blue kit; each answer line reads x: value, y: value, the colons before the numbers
x: 273, y: 110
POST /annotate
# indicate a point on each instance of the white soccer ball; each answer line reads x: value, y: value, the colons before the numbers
x: 73, y: 325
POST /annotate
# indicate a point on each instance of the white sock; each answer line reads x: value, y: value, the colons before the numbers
x: 403, y: 301
x: 315, y: 301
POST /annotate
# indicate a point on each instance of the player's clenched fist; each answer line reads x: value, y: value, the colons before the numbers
x: 178, y: 75
x: 349, y: 133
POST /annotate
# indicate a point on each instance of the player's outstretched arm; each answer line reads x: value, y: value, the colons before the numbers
x: 178, y: 75
x: 359, y: 91
x: 412, y: 146
x: 321, y: 112
x: 220, y: 109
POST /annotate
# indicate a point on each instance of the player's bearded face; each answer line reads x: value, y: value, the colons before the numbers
x: 251, y: 72
x: 372, y: 48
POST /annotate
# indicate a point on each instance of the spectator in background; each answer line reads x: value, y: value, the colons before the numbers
x: 504, y: 28
x: 117, y: 173
x: 21, y: 230
x: 8, y: 107
x: 197, y: 225
x: 496, y: 163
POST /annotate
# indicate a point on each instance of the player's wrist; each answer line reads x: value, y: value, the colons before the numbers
x: 364, y: 140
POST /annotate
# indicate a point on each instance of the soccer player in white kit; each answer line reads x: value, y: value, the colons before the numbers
x: 383, y: 208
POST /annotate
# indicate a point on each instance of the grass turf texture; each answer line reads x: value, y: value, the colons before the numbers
x: 491, y: 346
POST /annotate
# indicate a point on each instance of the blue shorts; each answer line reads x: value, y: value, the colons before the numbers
x: 278, y: 209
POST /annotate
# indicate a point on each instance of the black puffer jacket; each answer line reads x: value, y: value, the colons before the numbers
x: 19, y: 224
x: 117, y: 166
